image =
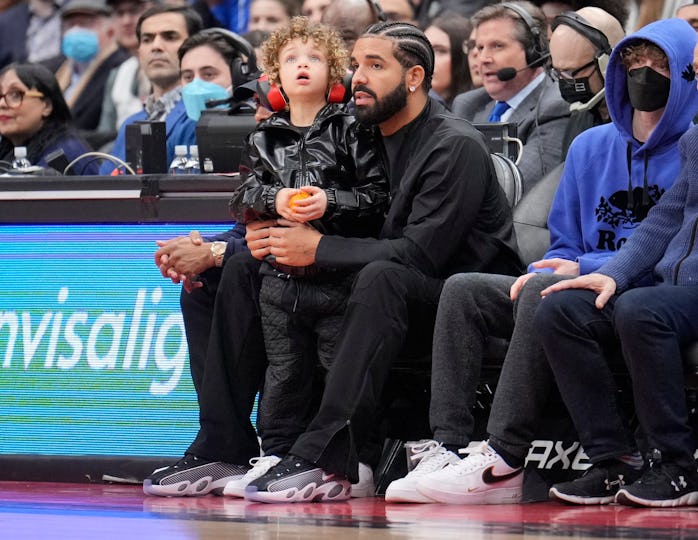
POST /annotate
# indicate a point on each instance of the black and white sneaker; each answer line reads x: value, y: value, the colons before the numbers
x: 663, y: 484
x: 598, y: 485
x: 296, y: 480
x: 192, y: 476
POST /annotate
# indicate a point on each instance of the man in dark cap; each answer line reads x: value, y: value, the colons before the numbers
x: 89, y: 53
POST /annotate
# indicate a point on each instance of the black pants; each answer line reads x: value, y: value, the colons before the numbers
x: 650, y: 324
x: 197, y: 312
x: 384, y: 298
x: 301, y: 319
x: 233, y: 366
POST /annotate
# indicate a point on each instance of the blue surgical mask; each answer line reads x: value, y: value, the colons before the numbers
x: 196, y: 93
x: 80, y: 44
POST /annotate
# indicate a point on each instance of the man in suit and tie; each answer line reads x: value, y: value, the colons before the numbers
x: 511, y: 39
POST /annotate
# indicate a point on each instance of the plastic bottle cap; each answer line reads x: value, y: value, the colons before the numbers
x: 181, y: 150
x: 20, y: 152
x: 194, y: 150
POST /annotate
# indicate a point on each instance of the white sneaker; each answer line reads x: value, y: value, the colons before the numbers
x: 365, y: 486
x: 481, y: 478
x: 431, y: 456
x: 260, y: 466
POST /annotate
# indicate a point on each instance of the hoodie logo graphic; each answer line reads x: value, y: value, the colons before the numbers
x: 616, y: 210
x: 688, y: 74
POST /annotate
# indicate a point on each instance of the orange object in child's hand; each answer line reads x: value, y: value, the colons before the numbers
x: 298, y: 197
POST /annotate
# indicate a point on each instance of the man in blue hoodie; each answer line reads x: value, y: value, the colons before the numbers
x: 613, y: 174
x: 649, y: 320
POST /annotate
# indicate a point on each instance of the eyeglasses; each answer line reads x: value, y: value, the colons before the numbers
x: 14, y: 97
x: 556, y: 74
x: 469, y: 46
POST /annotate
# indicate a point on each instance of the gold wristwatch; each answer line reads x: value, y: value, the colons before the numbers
x: 218, y: 252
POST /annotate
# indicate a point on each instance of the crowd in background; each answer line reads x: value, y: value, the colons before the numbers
x: 92, y: 47
x: 100, y: 65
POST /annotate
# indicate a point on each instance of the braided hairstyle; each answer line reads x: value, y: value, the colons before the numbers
x: 411, y: 47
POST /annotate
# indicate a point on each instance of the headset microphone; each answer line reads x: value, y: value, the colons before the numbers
x: 212, y: 103
x: 508, y: 73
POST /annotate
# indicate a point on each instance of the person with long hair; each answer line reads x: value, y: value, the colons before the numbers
x: 34, y: 114
x: 447, y: 34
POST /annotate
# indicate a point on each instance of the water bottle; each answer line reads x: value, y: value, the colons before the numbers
x: 20, y: 162
x: 179, y: 163
x: 193, y: 166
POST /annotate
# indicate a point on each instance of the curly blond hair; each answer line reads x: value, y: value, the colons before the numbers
x: 302, y: 28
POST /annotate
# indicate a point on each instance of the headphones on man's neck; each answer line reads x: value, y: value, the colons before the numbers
x: 538, y: 52
x: 584, y: 28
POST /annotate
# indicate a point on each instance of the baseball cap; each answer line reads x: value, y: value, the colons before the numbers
x: 89, y: 7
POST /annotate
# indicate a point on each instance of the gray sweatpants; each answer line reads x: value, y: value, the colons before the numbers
x: 472, y: 308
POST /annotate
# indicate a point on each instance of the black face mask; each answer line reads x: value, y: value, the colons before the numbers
x: 574, y: 90
x: 647, y: 89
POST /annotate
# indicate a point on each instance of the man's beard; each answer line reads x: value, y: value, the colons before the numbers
x: 384, y: 108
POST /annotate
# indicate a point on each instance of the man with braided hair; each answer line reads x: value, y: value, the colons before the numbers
x: 447, y: 214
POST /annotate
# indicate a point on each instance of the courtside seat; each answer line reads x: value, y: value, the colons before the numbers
x: 509, y: 178
x: 531, y: 217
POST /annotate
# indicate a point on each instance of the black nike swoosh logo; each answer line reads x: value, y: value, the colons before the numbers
x: 488, y: 477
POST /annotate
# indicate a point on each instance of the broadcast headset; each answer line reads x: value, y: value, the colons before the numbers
x: 537, y: 51
x: 597, y: 38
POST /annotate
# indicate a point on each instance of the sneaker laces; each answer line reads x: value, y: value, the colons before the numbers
x: 260, y: 465
x: 435, y: 460
x: 291, y: 464
x: 422, y: 449
x: 661, y: 472
x: 478, y: 458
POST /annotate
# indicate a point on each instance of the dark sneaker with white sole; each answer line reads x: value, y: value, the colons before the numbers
x: 191, y: 476
x: 662, y: 485
x: 296, y: 480
x: 598, y: 485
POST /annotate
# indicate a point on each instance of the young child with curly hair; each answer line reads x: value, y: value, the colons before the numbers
x: 311, y: 164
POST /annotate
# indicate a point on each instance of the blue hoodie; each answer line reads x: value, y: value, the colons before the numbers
x: 611, y: 180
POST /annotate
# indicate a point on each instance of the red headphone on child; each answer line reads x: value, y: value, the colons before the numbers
x: 272, y: 96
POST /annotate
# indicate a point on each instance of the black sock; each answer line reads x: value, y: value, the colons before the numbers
x: 510, y: 459
x: 453, y: 448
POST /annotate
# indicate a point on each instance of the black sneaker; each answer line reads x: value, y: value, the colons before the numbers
x: 663, y: 484
x: 296, y: 480
x: 598, y: 484
x: 192, y: 476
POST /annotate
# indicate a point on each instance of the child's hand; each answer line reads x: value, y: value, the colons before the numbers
x: 310, y: 208
x: 283, y: 202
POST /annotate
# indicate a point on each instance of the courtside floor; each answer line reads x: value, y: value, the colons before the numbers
x: 59, y: 511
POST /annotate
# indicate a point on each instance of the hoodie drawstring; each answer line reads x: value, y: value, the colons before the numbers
x: 631, y: 202
x: 645, y: 191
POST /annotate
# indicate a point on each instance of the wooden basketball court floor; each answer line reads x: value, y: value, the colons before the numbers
x: 57, y: 511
